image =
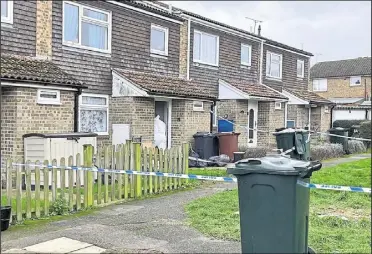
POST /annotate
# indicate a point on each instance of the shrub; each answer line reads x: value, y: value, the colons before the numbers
x: 356, y: 146
x: 347, y: 124
x: 326, y: 151
x: 59, y: 207
x: 365, y: 132
x: 257, y: 152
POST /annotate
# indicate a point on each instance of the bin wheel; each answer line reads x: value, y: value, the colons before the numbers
x: 310, y: 250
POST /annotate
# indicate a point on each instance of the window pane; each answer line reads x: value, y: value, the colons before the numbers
x: 244, y: 54
x: 93, y: 120
x: 94, y: 36
x: 299, y: 68
x: 157, y: 39
x: 95, y: 14
x: 275, y: 69
x: 197, y: 43
x: 71, y: 23
x: 209, y: 49
x: 290, y: 124
x: 93, y: 100
x: 48, y: 95
x: 355, y: 80
x: 4, y: 9
x: 275, y: 59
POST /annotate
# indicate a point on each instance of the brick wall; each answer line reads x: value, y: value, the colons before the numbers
x: 299, y: 114
x: 320, y: 120
x: 232, y: 109
x: 31, y: 117
x: 44, y: 29
x: 340, y: 88
x: 186, y: 122
x: 268, y: 120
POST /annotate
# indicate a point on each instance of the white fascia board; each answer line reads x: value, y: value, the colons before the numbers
x: 137, y: 91
x: 288, y: 50
x: 28, y: 85
x: 229, y: 92
x: 294, y: 100
x: 143, y: 11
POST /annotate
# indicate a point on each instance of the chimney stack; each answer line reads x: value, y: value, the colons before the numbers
x: 259, y: 30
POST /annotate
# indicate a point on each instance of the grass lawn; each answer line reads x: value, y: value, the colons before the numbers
x: 340, y: 222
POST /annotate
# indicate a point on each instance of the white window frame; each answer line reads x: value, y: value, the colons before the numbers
x: 360, y: 77
x: 85, y: 106
x: 48, y: 101
x: 294, y: 123
x: 197, y: 108
x: 278, y: 105
x: 319, y: 90
x: 303, y: 68
x: 107, y: 23
x: 9, y: 18
x: 268, y: 74
x: 166, y: 32
x: 201, y: 41
x: 242, y: 61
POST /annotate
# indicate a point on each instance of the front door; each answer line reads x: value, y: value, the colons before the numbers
x: 163, y: 110
x: 252, y: 123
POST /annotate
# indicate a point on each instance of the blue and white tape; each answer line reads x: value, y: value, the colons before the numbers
x: 196, y: 177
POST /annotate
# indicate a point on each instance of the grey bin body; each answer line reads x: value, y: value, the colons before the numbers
x: 206, y: 144
x: 339, y: 140
x: 274, y: 209
x: 289, y: 138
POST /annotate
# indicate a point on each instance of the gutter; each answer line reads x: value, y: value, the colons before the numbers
x: 76, y: 110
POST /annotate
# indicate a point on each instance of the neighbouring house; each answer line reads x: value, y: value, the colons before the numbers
x: 347, y: 83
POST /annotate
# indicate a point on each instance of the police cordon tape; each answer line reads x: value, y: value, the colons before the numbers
x: 195, y: 177
x: 321, y: 133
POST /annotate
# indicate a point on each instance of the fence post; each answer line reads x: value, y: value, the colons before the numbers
x: 137, y: 167
x: 186, y: 160
x: 88, y: 162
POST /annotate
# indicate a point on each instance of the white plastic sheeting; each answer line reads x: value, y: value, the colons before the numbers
x: 160, y: 138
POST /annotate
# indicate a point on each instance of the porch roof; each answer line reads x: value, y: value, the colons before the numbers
x: 255, y: 90
x: 306, y: 95
x: 156, y: 84
x: 25, y: 68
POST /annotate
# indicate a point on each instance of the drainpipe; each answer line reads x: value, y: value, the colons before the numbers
x: 285, y: 114
x: 76, y: 110
x: 211, y: 117
x: 261, y: 62
x: 331, y: 125
x: 309, y: 118
x: 188, y: 48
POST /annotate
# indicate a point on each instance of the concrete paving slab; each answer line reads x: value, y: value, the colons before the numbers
x: 90, y: 249
x: 59, y: 245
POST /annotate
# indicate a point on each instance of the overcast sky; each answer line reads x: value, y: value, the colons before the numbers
x: 330, y: 30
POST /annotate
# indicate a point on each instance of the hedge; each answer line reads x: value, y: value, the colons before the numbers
x: 365, y: 132
x: 347, y: 124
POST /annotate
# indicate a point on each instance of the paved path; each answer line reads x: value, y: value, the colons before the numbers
x: 156, y: 225
x: 352, y: 158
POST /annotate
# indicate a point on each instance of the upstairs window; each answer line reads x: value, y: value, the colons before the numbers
x: 159, y: 40
x: 86, y: 27
x: 273, y: 65
x: 246, y: 54
x: 7, y: 11
x: 205, y: 48
x: 319, y: 85
x: 355, y: 81
x: 300, y: 68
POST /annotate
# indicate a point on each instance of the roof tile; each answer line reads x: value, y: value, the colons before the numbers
x: 31, y: 69
x: 308, y: 96
x: 343, y: 68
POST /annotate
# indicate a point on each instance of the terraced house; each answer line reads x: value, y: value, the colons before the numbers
x: 109, y: 67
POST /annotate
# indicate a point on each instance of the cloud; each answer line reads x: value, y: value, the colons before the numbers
x: 332, y: 30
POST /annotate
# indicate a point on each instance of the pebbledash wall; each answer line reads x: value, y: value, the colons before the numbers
x: 21, y: 114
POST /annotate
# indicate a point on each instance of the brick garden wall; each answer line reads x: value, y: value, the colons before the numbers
x: 299, y: 114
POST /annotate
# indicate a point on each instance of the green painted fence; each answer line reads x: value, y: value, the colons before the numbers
x: 31, y: 190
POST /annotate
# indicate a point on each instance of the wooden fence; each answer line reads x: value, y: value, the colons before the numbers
x: 31, y: 190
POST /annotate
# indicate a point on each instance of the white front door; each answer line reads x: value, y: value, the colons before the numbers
x: 252, y: 123
x: 163, y: 108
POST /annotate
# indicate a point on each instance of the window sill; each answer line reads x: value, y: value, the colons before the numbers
x: 243, y: 66
x: 159, y: 56
x: 85, y: 51
x: 300, y: 78
x: 355, y: 85
x: 206, y: 66
x: 49, y: 103
x: 198, y: 110
x: 273, y: 79
x: 7, y: 25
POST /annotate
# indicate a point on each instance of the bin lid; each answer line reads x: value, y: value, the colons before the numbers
x: 339, y: 129
x: 204, y: 134
x: 289, y: 130
x: 272, y: 164
x: 227, y: 134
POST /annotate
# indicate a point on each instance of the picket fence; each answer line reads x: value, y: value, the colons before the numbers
x: 27, y: 192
